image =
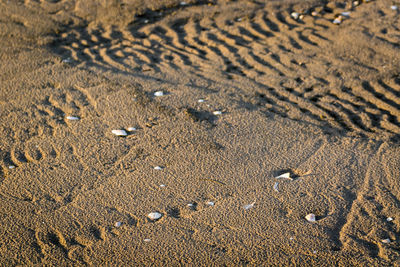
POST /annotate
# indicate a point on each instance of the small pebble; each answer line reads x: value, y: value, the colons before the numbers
x: 201, y: 100
x: 11, y: 167
x: 117, y: 224
x: 154, y: 215
x: 131, y: 129
x: 158, y: 168
x: 72, y: 118
x: 394, y: 7
x: 119, y: 132
x: 146, y: 240
x: 310, y: 217
x: 386, y: 241
x: 210, y: 203
x: 217, y: 112
x: 389, y: 219
x: 159, y: 93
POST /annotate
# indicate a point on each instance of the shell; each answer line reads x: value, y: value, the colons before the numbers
x: 394, y: 7
x: 154, y: 215
x: 147, y: 240
x: 285, y: 175
x: 11, y: 167
x: 276, y: 186
x: 210, y: 203
x: 389, y: 219
x: 119, y: 132
x: 158, y: 168
x: 131, y: 129
x: 201, y: 100
x: 118, y: 224
x: 310, y: 217
x: 249, y: 206
x: 386, y: 241
x: 72, y: 118
x: 159, y: 93
x: 217, y: 112
x: 295, y: 15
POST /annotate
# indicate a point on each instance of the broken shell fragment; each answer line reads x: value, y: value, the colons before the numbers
x: 201, y: 100
x: 147, y: 240
x: 386, y: 241
x: 389, y: 219
x: 11, y: 167
x: 210, y: 203
x: 276, y: 186
x: 295, y: 15
x: 310, y: 217
x: 249, y: 206
x: 346, y: 14
x: 394, y: 7
x: 337, y: 20
x: 159, y: 93
x: 72, y: 118
x: 119, y: 132
x: 286, y: 175
x: 158, y: 168
x: 217, y: 112
x: 154, y: 215
x: 131, y: 129
x: 118, y: 224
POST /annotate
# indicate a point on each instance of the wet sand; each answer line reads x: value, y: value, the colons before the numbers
x: 246, y: 91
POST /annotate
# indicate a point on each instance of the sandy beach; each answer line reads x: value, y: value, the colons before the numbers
x: 208, y: 133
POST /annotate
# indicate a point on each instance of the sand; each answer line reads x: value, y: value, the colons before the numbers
x: 277, y: 95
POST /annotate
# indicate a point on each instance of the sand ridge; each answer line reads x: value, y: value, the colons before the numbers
x: 318, y: 100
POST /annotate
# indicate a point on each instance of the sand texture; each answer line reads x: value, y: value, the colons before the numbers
x: 215, y: 99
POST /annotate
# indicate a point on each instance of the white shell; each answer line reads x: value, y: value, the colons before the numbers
x: 11, y: 167
x: 72, y: 118
x: 190, y: 205
x: 67, y: 60
x: 386, y: 241
x: 119, y: 132
x: 286, y: 175
x: 389, y: 219
x: 183, y: 3
x: 217, y: 112
x: 310, y: 217
x: 249, y: 206
x: 276, y: 186
x: 147, y: 240
x: 158, y: 168
x: 154, y: 215
x: 337, y: 21
x: 146, y: 21
x: 201, y: 100
x: 295, y: 15
x: 117, y: 224
x: 346, y: 13
x: 394, y: 7
x: 131, y: 129
x: 162, y: 185
x: 159, y: 93
x: 210, y: 203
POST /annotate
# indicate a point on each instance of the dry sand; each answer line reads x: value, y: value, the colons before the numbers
x: 318, y: 100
